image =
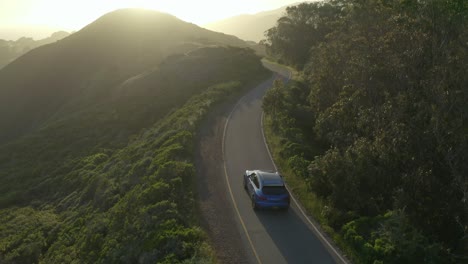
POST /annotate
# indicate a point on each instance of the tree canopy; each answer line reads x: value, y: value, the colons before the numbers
x: 385, y: 87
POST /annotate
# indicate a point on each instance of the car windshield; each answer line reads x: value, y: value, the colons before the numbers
x: 269, y: 190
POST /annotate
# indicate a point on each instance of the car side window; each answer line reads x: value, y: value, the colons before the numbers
x: 255, y: 180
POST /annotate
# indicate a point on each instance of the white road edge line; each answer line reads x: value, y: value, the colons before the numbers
x: 229, y: 185
x: 294, y: 199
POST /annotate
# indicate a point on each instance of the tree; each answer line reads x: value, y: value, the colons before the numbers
x: 273, y: 100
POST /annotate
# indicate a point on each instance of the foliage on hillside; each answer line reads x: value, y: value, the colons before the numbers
x: 113, y: 183
x: 377, y: 126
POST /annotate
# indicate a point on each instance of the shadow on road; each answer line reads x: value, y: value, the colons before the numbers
x: 294, y: 239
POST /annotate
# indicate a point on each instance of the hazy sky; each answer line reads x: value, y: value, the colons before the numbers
x: 38, y: 18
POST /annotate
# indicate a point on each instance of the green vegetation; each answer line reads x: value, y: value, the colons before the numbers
x: 113, y: 182
x: 96, y: 138
x: 374, y: 131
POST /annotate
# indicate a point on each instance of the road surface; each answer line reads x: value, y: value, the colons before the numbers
x: 272, y: 236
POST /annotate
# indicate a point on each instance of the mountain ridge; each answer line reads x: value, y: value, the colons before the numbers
x: 91, y: 62
x: 249, y: 27
x: 12, y: 49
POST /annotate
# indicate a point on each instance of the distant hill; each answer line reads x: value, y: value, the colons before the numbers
x: 84, y: 68
x: 248, y: 27
x: 10, y: 50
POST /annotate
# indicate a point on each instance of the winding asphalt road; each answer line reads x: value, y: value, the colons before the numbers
x: 272, y: 236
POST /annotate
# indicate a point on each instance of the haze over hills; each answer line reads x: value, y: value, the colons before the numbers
x: 90, y: 63
x: 248, y: 27
x: 12, y: 49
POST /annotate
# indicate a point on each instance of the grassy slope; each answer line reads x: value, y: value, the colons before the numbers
x: 83, y: 189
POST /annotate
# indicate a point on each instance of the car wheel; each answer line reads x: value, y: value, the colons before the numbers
x: 245, y: 184
x: 254, y: 204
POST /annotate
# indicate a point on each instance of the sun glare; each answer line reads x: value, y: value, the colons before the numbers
x: 198, y: 12
x: 74, y: 15
x: 57, y: 12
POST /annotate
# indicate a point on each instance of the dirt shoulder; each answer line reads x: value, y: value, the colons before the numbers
x: 215, y: 206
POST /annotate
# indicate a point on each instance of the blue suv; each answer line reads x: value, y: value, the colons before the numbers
x: 266, y: 189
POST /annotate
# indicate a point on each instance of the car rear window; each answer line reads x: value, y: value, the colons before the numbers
x: 269, y: 190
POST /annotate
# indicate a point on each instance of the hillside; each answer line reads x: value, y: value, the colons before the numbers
x: 85, y: 67
x: 246, y: 26
x: 106, y: 173
x: 10, y: 50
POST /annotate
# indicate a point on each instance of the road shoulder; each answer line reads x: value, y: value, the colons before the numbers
x: 215, y: 206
